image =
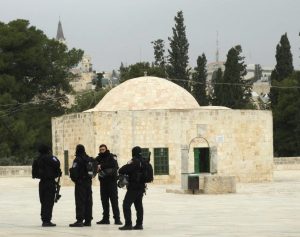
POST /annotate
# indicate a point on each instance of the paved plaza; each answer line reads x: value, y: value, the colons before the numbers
x: 264, y: 209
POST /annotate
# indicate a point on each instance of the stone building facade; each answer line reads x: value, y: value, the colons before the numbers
x: 183, y: 137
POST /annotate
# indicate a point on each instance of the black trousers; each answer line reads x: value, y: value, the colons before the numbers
x: 84, y: 200
x: 109, y: 191
x: 47, y: 194
x: 133, y: 197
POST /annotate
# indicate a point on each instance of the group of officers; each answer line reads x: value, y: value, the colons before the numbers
x: 83, y: 187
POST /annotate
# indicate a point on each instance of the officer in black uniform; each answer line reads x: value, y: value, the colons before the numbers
x: 108, y: 168
x: 135, y: 190
x: 49, y: 169
x: 83, y: 189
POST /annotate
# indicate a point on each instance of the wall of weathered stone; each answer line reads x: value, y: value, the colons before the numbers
x: 241, y: 141
x: 18, y: 171
x: 287, y: 163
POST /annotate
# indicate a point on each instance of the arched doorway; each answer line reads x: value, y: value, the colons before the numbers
x: 201, y: 155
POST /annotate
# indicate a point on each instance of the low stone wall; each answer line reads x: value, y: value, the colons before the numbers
x: 18, y: 171
x: 208, y: 184
x: 286, y: 163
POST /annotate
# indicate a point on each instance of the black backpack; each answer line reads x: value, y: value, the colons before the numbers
x: 146, y: 172
x: 40, y: 171
x: 36, y: 169
x: 92, y: 168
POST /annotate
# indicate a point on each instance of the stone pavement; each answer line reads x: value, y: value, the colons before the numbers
x: 265, y: 209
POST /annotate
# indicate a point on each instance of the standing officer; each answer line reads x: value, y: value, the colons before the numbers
x: 83, y: 187
x: 135, y: 190
x: 46, y: 168
x: 108, y: 168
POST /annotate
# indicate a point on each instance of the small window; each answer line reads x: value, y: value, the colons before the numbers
x: 161, y: 161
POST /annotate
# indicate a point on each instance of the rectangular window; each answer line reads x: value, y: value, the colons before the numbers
x: 161, y: 161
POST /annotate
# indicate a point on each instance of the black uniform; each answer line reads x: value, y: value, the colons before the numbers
x: 83, y: 190
x: 135, y: 191
x: 50, y: 169
x: 108, y: 185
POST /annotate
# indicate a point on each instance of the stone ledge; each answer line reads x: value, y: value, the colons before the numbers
x: 210, y: 184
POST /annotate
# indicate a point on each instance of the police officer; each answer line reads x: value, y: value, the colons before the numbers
x: 135, y: 190
x: 83, y: 188
x: 108, y: 168
x: 48, y: 169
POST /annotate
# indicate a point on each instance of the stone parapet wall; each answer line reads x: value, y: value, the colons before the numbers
x: 287, y: 163
x: 18, y: 171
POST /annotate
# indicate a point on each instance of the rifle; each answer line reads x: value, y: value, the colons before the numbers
x: 57, y: 190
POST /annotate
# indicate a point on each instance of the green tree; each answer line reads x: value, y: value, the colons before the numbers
x: 286, y: 115
x: 87, y: 100
x: 178, y: 54
x: 199, y: 81
x: 159, y: 53
x: 284, y: 66
x: 139, y: 70
x: 236, y: 91
x: 34, y: 80
x: 216, y: 96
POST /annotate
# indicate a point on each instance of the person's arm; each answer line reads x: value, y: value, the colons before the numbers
x: 128, y: 168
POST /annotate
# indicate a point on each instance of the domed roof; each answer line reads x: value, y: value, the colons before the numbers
x: 146, y: 93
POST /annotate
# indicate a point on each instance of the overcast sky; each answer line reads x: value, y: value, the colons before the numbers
x: 121, y: 30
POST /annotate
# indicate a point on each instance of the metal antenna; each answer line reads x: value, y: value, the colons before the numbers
x: 217, y: 43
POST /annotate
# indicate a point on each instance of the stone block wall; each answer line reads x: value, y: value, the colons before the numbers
x: 15, y: 171
x: 286, y: 163
x: 240, y: 141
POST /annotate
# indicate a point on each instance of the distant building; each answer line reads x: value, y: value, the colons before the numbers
x: 60, y: 34
x: 84, y: 73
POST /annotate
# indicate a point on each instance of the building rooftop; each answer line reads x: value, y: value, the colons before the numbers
x: 146, y: 93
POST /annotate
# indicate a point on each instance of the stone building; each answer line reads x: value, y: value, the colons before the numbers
x: 182, y: 136
x: 84, y: 73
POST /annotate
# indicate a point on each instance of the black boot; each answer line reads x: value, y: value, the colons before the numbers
x: 118, y: 222
x: 77, y: 224
x: 48, y: 224
x: 126, y: 227
x: 138, y: 227
x: 103, y: 222
x: 87, y: 223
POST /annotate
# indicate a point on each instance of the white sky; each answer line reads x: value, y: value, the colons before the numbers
x: 112, y: 31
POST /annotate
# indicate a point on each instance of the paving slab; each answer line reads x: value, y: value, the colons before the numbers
x: 261, y: 209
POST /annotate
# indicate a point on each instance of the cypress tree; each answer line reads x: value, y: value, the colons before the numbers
x: 199, y: 77
x: 216, y: 97
x: 178, y: 53
x: 236, y: 92
x: 284, y: 66
x: 159, y: 53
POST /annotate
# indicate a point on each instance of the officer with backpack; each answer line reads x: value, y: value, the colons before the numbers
x: 46, y: 168
x: 139, y: 173
x: 108, y: 170
x: 81, y: 173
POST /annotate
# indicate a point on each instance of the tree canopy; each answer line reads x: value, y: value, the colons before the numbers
x: 34, y: 80
x: 199, y: 81
x: 234, y: 92
x: 178, y: 54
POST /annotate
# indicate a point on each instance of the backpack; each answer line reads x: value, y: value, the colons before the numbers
x: 92, y: 168
x: 36, y: 169
x: 74, y: 172
x: 39, y: 170
x: 146, y: 172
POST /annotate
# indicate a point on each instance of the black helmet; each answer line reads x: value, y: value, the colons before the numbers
x: 44, y: 149
x: 137, y: 152
x: 80, y: 150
